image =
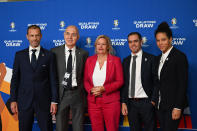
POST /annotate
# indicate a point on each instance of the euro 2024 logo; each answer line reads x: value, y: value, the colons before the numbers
x: 88, y: 42
x: 174, y: 22
x: 12, y: 26
x: 116, y: 24
x: 62, y: 26
x: 144, y: 42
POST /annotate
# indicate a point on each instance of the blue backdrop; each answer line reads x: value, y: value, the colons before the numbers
x: 114, y: 18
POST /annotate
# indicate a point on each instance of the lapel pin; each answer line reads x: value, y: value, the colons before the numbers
x: 42, y: 54
x: 146, y: 59
x: 167, y: 59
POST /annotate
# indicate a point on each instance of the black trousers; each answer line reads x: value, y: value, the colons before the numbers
x: 26, y: 119
x: 141, y: 112
x: 165, y: 120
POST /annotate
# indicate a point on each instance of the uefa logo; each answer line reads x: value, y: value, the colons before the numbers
x: 88, y: 43
x: 62, y: 26
x: 144, y: 42
x: 174, y: 23
x: 12, y: 27
x: 116, y: 24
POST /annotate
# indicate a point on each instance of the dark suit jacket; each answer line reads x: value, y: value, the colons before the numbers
x: 148, y: 76
x: 113, y: 82
x: 29, y: 85
x: 81, y: 57
x: 173, y: 80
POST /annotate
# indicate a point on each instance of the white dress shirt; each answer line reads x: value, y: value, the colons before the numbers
x: 67, y: 53
x: 139, y: 91
x: 36, y: 53
x: 99, y: 75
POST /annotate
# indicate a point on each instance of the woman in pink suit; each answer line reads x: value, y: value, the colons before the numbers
x: 103, y: 78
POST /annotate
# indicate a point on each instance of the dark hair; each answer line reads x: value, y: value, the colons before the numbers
x: 164, y: 28
x: 135, y: 33
x: 33, y: 27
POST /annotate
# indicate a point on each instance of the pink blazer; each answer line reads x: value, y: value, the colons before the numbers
x: 113, y: 82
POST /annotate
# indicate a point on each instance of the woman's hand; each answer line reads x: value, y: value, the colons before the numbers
x: 98, y: 90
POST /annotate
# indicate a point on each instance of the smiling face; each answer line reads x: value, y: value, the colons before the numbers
x: 34, y: 36
x: 71, y: 35
x: 163, y: 42
x: 135, y: 43
x: 101, y: 46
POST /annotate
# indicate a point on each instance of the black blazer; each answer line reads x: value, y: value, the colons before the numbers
x: 173, y: 80
x: 30, y: 85
x: 148, y: 76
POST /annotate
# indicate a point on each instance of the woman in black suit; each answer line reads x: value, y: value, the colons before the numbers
x: 172, y: 69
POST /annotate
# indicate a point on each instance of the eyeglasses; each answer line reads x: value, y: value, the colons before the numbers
x: 72, y: 34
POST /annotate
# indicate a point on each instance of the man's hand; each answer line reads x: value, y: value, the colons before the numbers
x: 176, y: 114
x: 53, y: 109
x: 153, y: 103
x: 14, y: 107
x: 124, y: 109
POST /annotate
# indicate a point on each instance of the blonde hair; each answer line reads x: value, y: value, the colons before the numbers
x: 109, y: 46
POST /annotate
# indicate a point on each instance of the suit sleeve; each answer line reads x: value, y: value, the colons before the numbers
x: 182, y: 81
x: 15, y: 79
x: 124, y: 93
x: 155, y: 93
x: 118, y: 78
x: 86, y: 54
x: 53, y: 78
x: 87, y: 84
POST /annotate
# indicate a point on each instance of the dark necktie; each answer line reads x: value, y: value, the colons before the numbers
x: 33, y: 58
x: 69, y: 68
x: 133, y: 76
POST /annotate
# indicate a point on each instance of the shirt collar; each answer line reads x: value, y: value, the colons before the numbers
x: 37, y: 48
x: 67, y: 49
x: 165, y: 55
x: 139, y: 53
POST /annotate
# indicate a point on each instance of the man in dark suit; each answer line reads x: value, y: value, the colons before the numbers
x: 172, y: 69
x: 137, y: 95
x: 34, y: 84
x: 70, y: 66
